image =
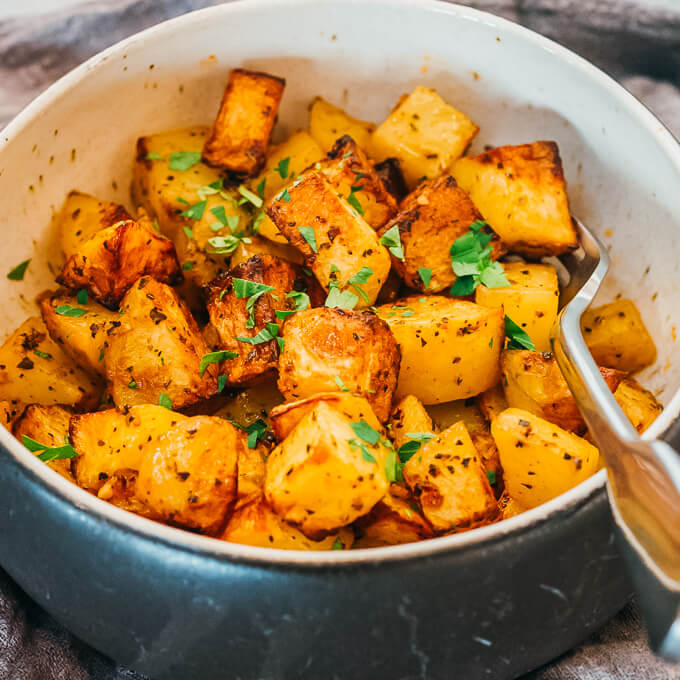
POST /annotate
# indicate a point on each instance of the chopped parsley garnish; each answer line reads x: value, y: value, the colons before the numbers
x: 392, y: 466
x: 283, y: 196
x: 260, y: 187
x: 269, y: 332
x: 183, y: 160
x: 301, y: 301
x: 359, y: 279
x: 133, y: 385
x: 340, y: 384
x: 338, y: 544
x: 68, y: 310
x: 223, y: 245
x: 155, y: 225
x: 182, y: 200
x: 194, y: 212
x: 491, y: 476
x: 215, y: 358
x: 18, y: 272
x: 354, y: 201
x: 517, y: 337
x: 283, y: 167
x: 308, y: 234
x: 256, y: 431
x: 425, y: 276
x: 221, y: 382
x: 391, y: 239
x: 153, y: 156
x: 82, y: 297
x: 402, y: 310
x: 250, y: 196
x: 188, y: 266
x: 165, y: 401
x: 365, y: 432
x: 365, y: 453
x: 255, y: 226
x: 338, y: 298
x: 42, y: 355
x: 225, y: 220
x: 189, y: 232
x: 243, y: 288
x: 212, y: 189
x: 101, y: 354
x: 409, y: 448
x: 49, y: 453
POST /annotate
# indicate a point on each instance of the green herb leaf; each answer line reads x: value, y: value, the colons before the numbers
x: 463, y: 285
x: 195, y: 212
x: 255, y: 226
x: 165, y: 401
x: 188, y: 266
x: 391, y: 465
x: 223, y: 245
x: 18, y: 272
x: 517, y: 337
x: 82, y: 297
x: 344, y: 299
x: 221, y: 382
x: 243, y: 288
x: 42, y: 355
x: 338, y: 544
x: 183, y: 160
x: 49, y: 453
x: 215, y: 358
x: 260, y: 187
x: 250, y: 196
x: 425, y: 276
x: 283, y: 167
x: 153, y: 156
x: 366, y: 455
x: 189, y: 232
x: 68, y: 310
x: 255, y: 431
x: 340, y: 384
x: 422, y: 437
x: 491, y: 476
x: 265, y: 335
x: 391, y: 239
x: 155, y: 225
x: 365, y: 432
x: 283, y: 196
x: 359, y: 279
x: 407, y: 450
x: 354, y: 201
x: 308, y: 234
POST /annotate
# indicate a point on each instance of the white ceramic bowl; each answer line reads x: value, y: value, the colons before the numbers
x: 622, y: 168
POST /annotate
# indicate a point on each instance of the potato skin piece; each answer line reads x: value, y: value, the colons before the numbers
x: 188, y: 475
x: 540, y: 460
x: 327, y: 123
x: 317, y: 469
x: 408, y: 416
x: 449, y: 482
x: 617, y: 336
x: 392, y: 178
x: 158, y: 346
x: 429, y: 220
x: 244, y: 123
x: 521, y: 191
x: 344, y: 240
x: 110, y: 262
x: 323, y: 344
x: 639, y: 404
x: 450, y: 348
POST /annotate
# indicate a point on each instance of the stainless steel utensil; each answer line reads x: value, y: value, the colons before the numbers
x: 644, y: 476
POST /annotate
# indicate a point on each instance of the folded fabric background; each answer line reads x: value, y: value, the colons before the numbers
x: 636, y: 41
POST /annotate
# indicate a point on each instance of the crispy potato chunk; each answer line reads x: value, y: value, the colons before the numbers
x: 83, y: 337
x: 82, y: 216
x: 244, y: 123
x: 408, y: 417
x: 509, y: 506
x: 188, y: 475
x: 533, y: 381
x: 120, y: 489
x: 251, y: 473
x: 392, y: 178
x: 540, y: 460
x: 348, y: 169
x: 35, y: 370
x: 47, y: 425
x: 327, y: 123
x: 617, y: 336
x: 430, y: 219
x: 521, y: 191
x: 157, y: 350
x: 492, y: 402
x: 262, y: 246
x: 450, y: 349
x: 341, y: 243
x: 639, y: 404
x: 110, y: 441
x: 425, y: 133
x: 323, y: 475
x: 232, y: 319
x: 329, y: 349
x: 531, y: 301
x: 9, y: 412
x: 450, y: 483
x: 114, y: 258
x: 257, y: 524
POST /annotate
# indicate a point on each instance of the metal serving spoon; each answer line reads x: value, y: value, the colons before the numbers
x: 644, y: 476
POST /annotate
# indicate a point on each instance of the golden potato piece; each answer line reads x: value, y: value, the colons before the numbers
x: 35, y: 370
x: 338, y: 349
x: 251, y: 473
x: 448, y: 480
x: 120, y: 489
x: 9, y: 412
x: 430, y: 219
x: 509, y: 506
x: 157, y: 350
x: 639, y: 404
x: 257, y: 524
x: 245, y: 121
x: 82, y: 216
x: 408, y: 417
x: 110, y: 441
x: 263, y: 246
x: 492, y: 402
x: 450, y: 348
x: 47, y: 425
x: 188, y: 475
x: 336, y: 242
x: 109, y: 263
x: 521, y: 191
x: 425, y: 133
x: 327, y: 123
x: 531, y: 301
x: 617, y: 336
x: 540, y: 460
x: 327, y: 472
x: 83, y: 337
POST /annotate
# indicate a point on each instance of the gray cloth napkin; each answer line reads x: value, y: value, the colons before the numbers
x: 636, y: 41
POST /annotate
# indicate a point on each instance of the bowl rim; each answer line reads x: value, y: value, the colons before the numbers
x: 208, y: 547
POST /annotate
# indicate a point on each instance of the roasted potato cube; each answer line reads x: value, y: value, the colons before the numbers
x: 617, y: 336
x: 327, y: 472
x: 509, y: 506
x: 251, y: 473
x: 533, y: 381
x: 531, y: 301
x: 188, y: 476
x: 47, y: 425
x: 348, y: 169
x: 425, y: 133
x: 540, y: 460
x: 262, y: 246
x: 327, y: 123
x: 244, y: 123
x: 334, y: 349
x: 110, y: 441
x: 120, y: 489
x: 392, y: 178
x: 492, y: 402
x: 409, y: 417
x: 639, y: 404
x: 430, y: 219
x: 337, y: 243
x: 109, y: 263
x: 35, y: 370
x: 450, y: 349
x: 82, y: 337
x: 450, y: 483
x: 255, y: 523
x: 232, y: 317
x: 521, y: 191
x: 82, y: 216
x: 157, y: 350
